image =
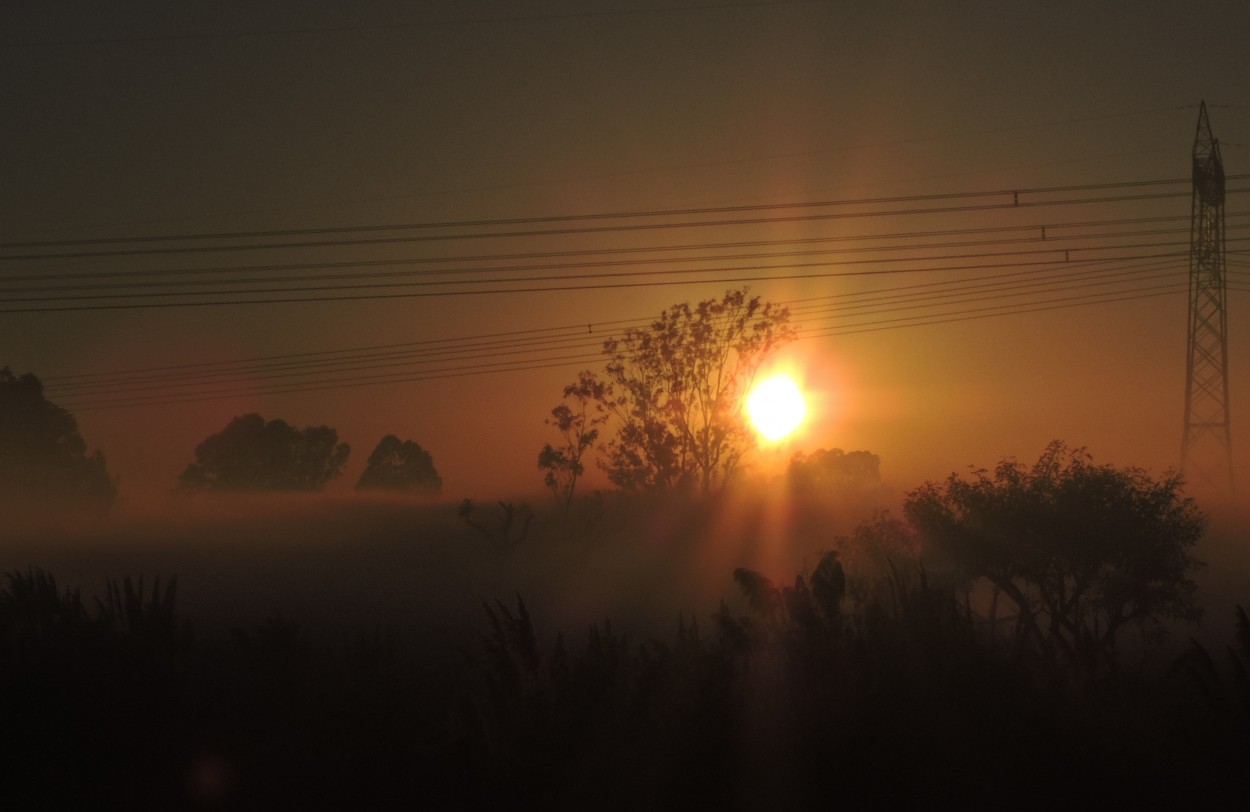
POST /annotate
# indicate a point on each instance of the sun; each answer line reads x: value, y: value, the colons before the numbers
x: 776, y: 407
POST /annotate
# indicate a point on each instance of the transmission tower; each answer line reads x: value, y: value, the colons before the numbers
x: 1207, y: 450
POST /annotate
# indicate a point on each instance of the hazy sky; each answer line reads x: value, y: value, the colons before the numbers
x: 146, y: 118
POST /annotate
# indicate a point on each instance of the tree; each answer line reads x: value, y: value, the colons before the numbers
x: 577, y: 421
x: 400, y: 466
x: 1082, y: 550
x: 832, y: 493
x: 43, y: 458
x: 834, y: 471
x: 252, y: 455
x: 674, y: 391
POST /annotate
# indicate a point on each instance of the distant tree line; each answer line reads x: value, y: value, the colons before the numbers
x: 44, y: 461
x: 251, y: 454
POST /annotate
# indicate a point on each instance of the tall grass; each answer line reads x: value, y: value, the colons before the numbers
x: 677, y: 655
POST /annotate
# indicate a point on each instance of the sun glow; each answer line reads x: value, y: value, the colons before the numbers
x: 776, y: 407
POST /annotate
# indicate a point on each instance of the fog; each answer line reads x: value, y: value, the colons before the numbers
x: 446, y: 657
x: 343, y: 563
x: 345, y: 559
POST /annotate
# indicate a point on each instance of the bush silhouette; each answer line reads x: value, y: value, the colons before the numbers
x: 1083, y: 551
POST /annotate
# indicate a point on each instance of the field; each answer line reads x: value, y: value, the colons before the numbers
x: 388, y: 654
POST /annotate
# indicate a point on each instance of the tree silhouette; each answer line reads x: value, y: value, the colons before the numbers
x: 43, y: 458
x: 834, y: 471
x: 674, y: 391
x: 400, y: 466
x: 1082, y: 550
x: 577, y: 420
x: 252, y: 455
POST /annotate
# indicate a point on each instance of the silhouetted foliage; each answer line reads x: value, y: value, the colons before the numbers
x: 400, y: 466
x: 511, y: 529
x: 834, y: 471
x: 807, y: 605
x: 252, y: 455
x: 43, y: 458
x: 834, y: 493
x: 828, y: 585
x: 894, y: 701
x: 876, y: 549
x: 32, y: 607
x: 577, y: 421
x: 674, y: 392
x: 764, y: 598
x: 900, y: 602
x: 153, y: 621
x: 1081, y: 550
x: 1227, y: 697
x: 90, y: 702
x: 604, y: 719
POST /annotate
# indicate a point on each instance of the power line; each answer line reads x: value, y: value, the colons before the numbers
x: 891, y: 301
x: 608, y: 215
x: 604, y: 229
x: 1031, y: 233
x: 757, y: 277
x: 979, y: 314
x: 162, y: 290
x: 884, y: 301
x: 529, y: 363
x: 172, y: 278
x: 1023, y: 269
x: 923, y: 290
x: 1055, y: 251
x: 505, y: 336
x: 918, y: 321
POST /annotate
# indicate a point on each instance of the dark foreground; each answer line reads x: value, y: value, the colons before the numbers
x: 894, y: 695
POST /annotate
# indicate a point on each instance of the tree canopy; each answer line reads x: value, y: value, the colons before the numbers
x: 252, y: 455
x: 673, y: 390
x: 400, y: 466
x: 43, y: 459
x: 834, y: 471
x: 577, y: 420
x: 1082, y: 550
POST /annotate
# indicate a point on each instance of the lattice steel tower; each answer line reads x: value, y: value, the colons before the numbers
x: 1207, y: 450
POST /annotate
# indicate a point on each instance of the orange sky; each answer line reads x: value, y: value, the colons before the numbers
x: 299, y: 117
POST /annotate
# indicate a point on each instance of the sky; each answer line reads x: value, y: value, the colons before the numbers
x: 326, y: 121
